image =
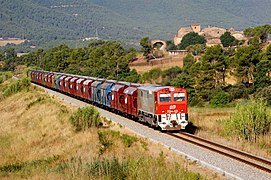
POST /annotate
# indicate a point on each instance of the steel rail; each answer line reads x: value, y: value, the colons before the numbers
x: 199, y: 142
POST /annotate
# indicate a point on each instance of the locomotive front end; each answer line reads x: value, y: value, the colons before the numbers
x: 163, y: 107
x: 171, y: 108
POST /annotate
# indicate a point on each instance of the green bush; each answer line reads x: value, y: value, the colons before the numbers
x: 220, y: 99
x: 238, y: 91
x: 17, y: 86
x: 85, y: 118
x: 128, y: 140
x: 5, y: 75
x: 249, y: 120
x: 153, y: 74
x: 265, y: 94
x: 105, y: 140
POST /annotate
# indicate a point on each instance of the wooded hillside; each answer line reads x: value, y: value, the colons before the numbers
x: 48, y: 20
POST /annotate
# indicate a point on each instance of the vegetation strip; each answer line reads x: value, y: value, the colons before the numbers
x: 225, y: 153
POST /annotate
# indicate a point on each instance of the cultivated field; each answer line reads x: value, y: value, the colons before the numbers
x: 16, y: 41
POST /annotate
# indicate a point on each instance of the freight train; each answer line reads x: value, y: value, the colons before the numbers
x: 163, y: 107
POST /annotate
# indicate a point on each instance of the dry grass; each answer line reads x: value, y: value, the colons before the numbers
x: 142, y: 66
x: 35, y: 126
x: 210, y: 126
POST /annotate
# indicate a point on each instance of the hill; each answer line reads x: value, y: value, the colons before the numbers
x: 48, y: 20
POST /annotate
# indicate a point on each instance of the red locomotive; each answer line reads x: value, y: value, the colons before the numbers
x: 163, y: 107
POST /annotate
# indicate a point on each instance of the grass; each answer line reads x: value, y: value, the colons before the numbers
x: 16, y: 86
x: 37, y: 141
x: 210, y: 124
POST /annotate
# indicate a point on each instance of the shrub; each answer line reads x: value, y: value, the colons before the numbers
x: 249, y: 121
x: 106, y: 140
x: 17, y: 86
x: 5, y: 75
x: 265, y: 94
x: 85, y: 118
x: 153, y: 74
x: 128, y: 140
x: 238, y: 91
x: 219, y: 99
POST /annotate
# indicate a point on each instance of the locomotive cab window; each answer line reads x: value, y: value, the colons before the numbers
x: 180, y: 96
x: 165, y: 97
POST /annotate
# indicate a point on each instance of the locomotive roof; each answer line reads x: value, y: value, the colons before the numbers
x: 153, y: 87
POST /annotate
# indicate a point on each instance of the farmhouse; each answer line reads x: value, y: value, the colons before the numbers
x: 211, y: 34
x: 185, y: 30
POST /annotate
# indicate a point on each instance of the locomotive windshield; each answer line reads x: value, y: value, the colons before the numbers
x: 165, y: 97
x: 180, y: 96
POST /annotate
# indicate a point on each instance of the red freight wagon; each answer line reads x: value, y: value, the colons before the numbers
x: 39, y: 77
x: 47, y: 81
x: 44, y: 77
x: 130, y: 99
x: 87, y: 89
x: 36, y: 76
x: 163, y: 106
x: 117, y: 96
x: 67, y: 84
x: 62, y: 82
x: 73, y: 86
x: 51, y: 79
x: 79, y: 87
x: 33, y: 76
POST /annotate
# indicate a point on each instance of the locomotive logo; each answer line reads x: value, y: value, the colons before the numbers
x: 172, y: 107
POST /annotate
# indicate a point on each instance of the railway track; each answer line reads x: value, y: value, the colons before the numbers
x: 238, y: 155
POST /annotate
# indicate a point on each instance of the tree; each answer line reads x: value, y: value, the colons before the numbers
x: 146, y: 46
x: 258, y: 33
x: 228, y: 40
x: 215, y: 58
x: 171, y: 45
x: 263, y: 69
x: 246, y: 59
x: 196, y: 49
x: 191, y: 39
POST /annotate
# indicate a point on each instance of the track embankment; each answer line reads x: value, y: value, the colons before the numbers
x: 230, y: 167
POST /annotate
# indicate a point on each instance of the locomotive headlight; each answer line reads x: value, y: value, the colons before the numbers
x: 181, y: 110
x: 163, y: 111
